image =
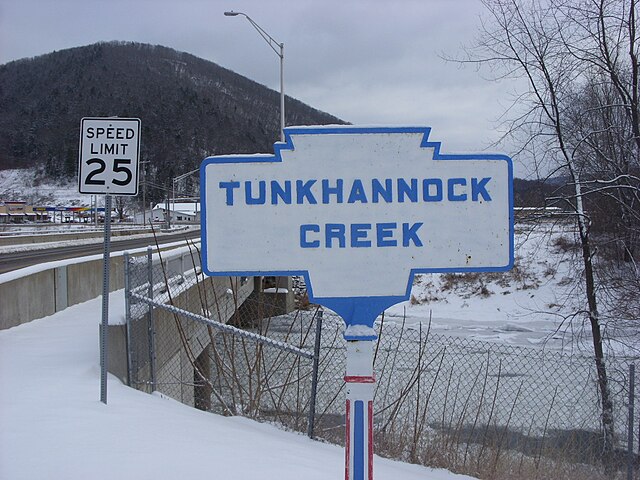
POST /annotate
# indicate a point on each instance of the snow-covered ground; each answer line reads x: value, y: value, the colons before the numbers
x: 53, y: 426
x: 527, y: 306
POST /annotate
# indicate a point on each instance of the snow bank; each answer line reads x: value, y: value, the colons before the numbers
x: 53, y: 425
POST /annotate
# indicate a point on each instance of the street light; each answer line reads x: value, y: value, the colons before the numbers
x: 279, y: 51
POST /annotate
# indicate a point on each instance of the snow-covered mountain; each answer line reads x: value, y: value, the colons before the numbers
x: 189, y: 108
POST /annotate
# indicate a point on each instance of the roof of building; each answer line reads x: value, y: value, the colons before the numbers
x: 188, y: 208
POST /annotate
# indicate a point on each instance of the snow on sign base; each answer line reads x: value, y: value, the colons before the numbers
x: 357, y: 211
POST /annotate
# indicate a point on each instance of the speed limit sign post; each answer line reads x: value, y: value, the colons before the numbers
x: 109, y: 151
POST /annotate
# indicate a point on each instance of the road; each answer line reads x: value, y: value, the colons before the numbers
x: 15, y: 260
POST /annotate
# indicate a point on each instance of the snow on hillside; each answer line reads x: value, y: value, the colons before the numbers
x: 29, y: 185
x: 53, y: 425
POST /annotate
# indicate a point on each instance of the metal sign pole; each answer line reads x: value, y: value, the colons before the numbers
x: 632, y: 371
x: 359, y: 410
x: 108, y: 164
x: 105, y: 299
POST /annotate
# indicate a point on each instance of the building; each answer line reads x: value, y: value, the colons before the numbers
x: 17, y: 212
x: 180, y: 212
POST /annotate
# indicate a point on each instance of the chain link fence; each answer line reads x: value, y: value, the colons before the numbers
x: 473, y: 406
x: 184, y: 341
x: 490, y: 410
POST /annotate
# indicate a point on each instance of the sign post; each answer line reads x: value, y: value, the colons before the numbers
x: 108, y: 164
x: 104, y: 324
x: 357, y: 211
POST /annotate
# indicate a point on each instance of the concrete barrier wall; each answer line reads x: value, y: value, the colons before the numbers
x: 9, y: 240
x: 26, y: 298
x: 117, y: 230
x: 41, y: 294
x: 84, y: 280
x: 44, y: 293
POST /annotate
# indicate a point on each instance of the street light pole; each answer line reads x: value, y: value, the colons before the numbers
x: 281, y: 92
x: 175, y: 179
x: 144, y: 193
x: 278, y: 51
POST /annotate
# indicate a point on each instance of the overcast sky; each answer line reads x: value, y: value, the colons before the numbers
x: 365, y: 61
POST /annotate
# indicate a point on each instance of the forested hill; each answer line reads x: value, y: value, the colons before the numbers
x: 189, y: 107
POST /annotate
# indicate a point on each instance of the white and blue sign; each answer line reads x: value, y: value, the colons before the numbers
x: 357, y: 211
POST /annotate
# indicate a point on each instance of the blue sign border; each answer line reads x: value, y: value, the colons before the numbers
x: 354, y: 310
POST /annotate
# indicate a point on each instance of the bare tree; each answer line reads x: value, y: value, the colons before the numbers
x: 579, y: 113
x: 606, y: 120
x: 123, y: 205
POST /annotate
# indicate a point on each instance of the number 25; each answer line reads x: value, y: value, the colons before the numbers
x: 119, y: 166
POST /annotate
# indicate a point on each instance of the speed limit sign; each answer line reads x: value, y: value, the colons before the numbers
x: 109, y: 151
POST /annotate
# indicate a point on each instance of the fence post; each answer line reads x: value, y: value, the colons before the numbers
x: 314, y: 376
x: 150, y: 326
x: 630, y: 455
x: 184, y: 263
x: 127, y: 312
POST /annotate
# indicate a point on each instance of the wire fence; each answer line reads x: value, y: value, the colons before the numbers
x: 491, y: 410
x: 184, y: 341
x: 472, y: 405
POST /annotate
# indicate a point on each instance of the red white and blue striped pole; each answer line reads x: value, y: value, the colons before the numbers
x: 359, y: 413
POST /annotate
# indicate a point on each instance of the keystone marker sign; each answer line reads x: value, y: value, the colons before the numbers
x: 357, y: 211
